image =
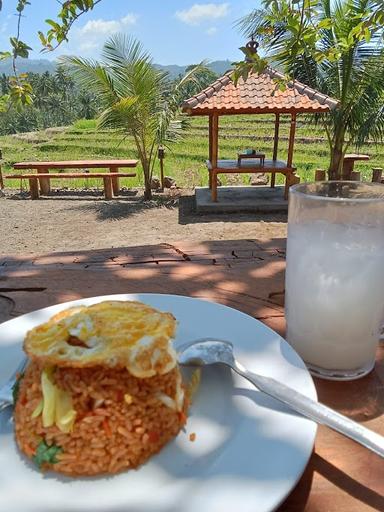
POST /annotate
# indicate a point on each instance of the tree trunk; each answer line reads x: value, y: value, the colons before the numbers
x: 147, y: 191
x: 147, y: 181
x: 337, y: 157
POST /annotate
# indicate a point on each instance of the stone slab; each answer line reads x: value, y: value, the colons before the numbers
x: 241, y: 199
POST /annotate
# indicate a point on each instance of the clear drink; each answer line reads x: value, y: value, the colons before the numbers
x: 335, y: 280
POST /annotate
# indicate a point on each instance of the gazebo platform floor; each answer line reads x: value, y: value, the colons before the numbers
x: 241, y: 199
x: 252, y: 165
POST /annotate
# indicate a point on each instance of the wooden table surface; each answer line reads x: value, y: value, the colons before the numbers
x: 245, y: 274
x: 75, y: 164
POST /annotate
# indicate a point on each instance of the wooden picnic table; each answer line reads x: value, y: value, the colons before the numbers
x: 248, y: 275
x: 45, y: 167
x: 349, y: 163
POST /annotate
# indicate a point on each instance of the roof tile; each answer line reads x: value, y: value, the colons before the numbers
x: 258, y: 93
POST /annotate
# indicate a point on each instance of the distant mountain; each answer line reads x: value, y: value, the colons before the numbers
x: 218, y: 66
x: 28, y: 66
x: 43, y: 65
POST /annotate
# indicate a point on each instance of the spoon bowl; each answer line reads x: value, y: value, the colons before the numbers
x: 206, y: 351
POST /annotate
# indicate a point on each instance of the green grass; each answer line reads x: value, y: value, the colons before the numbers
x: 85, y: 124
x: 185, y: 160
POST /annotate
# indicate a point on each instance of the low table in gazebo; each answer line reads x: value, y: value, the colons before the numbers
x: 251, y: 156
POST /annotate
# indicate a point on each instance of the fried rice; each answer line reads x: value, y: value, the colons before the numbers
x: 120, y: 421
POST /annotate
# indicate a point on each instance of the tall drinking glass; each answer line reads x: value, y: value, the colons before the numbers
x: 335, y: 276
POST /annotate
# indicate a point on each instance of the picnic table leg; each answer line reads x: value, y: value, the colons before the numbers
x: 214, y: 186
x: 376, y: 174
x: 273, y: 179
x: 291, y: 179
x: 34, y: 188
x: 45, y: 186
x: 115, y: 181
x: 347, y: 169
x: 108, y: 188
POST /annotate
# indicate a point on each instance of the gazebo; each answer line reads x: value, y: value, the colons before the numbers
x: 259, y: 94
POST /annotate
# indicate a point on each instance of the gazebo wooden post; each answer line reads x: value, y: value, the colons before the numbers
x: 214, y: 149
x: 291, y: 176
x: 215, y: 139
x: 275, y: 146
x: 291, y: 139
x: 210, y: 125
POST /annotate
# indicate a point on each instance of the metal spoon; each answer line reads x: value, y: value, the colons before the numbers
x: 211, y: 351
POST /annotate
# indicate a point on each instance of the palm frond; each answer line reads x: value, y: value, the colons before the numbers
x: 91, y: 76
x: 121, y: 49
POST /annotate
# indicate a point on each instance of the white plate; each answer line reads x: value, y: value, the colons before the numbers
x: 249, y: 450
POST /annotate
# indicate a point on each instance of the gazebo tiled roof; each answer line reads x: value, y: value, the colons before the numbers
x: 259, y: 94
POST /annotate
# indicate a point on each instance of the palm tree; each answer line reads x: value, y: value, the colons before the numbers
x: 43, y: 87
x: 86, y: 105
x: 135, y: 97
x: 355, y: 77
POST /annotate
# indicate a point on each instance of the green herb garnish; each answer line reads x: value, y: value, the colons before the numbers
x: 46, y: 454
x: 16, y: 388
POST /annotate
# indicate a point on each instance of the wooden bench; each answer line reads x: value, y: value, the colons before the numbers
x: 45, y: 167
x: 107, y: 179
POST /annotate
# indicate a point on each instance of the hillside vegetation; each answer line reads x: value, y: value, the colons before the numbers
x: 185, y: 160
x: 43, y: 65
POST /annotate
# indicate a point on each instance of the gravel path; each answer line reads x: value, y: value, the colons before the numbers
x: 72, y: 223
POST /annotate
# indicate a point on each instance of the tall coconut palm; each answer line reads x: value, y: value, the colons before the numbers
x: 135, y: 97
x: 333, y: 60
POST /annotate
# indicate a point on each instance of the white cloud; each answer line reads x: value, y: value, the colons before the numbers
x: 202, y: 12
x: 93, y: 34
x: 129, y: 19
x: 211, y: 31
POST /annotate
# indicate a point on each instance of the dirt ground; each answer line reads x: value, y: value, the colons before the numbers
x: 68, y: 222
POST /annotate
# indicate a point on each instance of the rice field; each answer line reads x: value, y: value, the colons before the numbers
x: 185, y: 159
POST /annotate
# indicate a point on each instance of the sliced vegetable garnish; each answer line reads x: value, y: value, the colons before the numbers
x: 49, y: 392
x: 65, y: 414
x: 46, y: 454
x: 57, y: 404
x: 166, y: 400
x: 38, y: 409
x: 16, y: 387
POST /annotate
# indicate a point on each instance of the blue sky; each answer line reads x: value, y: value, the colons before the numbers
x: 173, y: 31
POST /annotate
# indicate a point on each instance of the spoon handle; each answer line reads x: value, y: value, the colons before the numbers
x: 315, y: 410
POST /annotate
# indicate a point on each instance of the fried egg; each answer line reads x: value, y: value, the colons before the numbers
x: 111, y: 333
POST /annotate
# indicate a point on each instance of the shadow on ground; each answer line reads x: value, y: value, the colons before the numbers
x: 131, y: 202
x: 188, y: 214
x: 117, y: 210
